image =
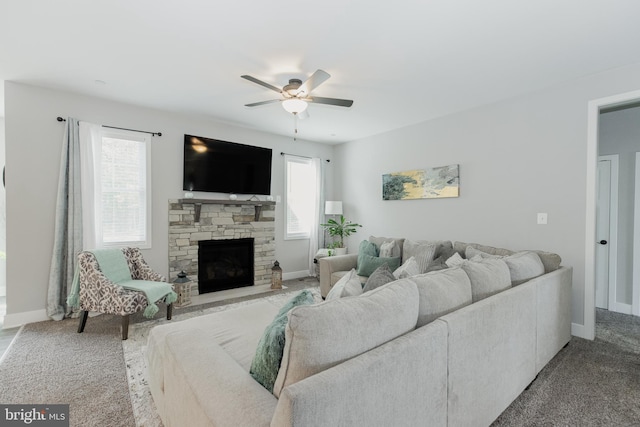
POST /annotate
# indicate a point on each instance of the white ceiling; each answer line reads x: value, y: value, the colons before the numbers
x: 402, y: 62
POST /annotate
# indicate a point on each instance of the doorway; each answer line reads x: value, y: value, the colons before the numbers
x: 595, y: 107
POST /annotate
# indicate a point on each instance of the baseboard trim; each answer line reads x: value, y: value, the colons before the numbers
x: 19, y: 319
x: 295, y: 275
x: 578, y: 330
x: 622, y: 308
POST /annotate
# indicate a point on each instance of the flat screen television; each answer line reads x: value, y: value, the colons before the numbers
x: 218, y: 166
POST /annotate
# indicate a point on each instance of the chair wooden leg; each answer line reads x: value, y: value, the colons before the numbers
x: 125, y: 327
x: 169, y: 311
x: 83, y: 321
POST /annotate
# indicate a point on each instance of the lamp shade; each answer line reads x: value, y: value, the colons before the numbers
x: 332, y: 208
x: 294, y: 105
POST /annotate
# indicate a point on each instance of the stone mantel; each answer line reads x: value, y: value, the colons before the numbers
x: 257, y: 204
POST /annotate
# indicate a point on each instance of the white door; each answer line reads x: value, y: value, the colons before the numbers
x: 603, y: 213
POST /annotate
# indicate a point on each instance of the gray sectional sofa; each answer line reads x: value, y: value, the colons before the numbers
x: 404, y: 354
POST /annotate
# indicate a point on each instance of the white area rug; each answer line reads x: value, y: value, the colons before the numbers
x: 144, y: 409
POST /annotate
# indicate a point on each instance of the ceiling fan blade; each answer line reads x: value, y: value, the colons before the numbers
x: 313, y: 82
x: 261, y: 83
x: 330, y: 101
x: 255, y: 104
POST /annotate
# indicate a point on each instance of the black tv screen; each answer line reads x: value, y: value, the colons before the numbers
x: 225, y: 167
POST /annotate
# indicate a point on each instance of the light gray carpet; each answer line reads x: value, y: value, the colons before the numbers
x: 589, y: 383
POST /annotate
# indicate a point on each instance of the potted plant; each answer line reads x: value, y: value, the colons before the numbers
x: 340, y: 229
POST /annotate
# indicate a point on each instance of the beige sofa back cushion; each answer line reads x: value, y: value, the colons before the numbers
x: 320, y: 336
x: 441, y: 292
x: 550, y: 260
x: 488, y: 277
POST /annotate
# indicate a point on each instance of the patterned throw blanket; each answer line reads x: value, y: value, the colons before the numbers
x: 114, y: 266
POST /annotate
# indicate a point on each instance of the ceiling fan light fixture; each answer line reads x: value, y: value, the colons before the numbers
x: 294, y: 105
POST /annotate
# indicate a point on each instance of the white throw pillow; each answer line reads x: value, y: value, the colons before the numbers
x: 348, y: 285
x: 387, y: 248
x: 408, y: 269
x: 454, y: 260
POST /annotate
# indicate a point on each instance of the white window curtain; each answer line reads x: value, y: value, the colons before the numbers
x: 90, y: 141
x: 316, y: 230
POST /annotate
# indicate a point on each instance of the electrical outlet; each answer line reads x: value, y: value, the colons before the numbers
x: 278, y: 199
x: 542, y: 218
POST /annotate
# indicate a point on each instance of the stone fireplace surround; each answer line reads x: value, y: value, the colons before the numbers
x: 192, y: 220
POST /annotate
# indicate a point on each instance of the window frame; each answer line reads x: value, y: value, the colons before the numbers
x: 146, y: 140
x: 287, y: 160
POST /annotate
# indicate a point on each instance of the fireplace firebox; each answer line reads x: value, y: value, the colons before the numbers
x: 225, y: 264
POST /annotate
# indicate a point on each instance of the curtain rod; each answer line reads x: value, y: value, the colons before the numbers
x: 60, y: 119
x: 282, y: 153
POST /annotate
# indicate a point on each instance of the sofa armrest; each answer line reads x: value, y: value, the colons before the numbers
x: 205, y: 386
x: 402, y: 382
x: 332, y: 264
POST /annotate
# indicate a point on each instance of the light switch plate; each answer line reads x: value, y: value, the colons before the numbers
x: 542, y: 218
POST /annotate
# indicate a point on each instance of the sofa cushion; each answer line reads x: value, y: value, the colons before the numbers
x: 378, y: 241
x: 266, y: 362
x: 369, y: 263
x: 441, y: 292
x: 488, y: 276
x: 551, y: 261
x: 423, y: 252
x: 348, y: 285
x: 323, y: 335
x: 523, y: 266
x: 381, y: 276
x: 408, y: 269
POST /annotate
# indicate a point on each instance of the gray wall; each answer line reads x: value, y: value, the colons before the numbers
x: 3, y: 220
x: 34, y: 141
x: 620, y: 134
x: 517, y: 157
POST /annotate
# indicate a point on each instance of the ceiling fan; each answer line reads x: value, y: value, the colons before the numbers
x: 297, y: 95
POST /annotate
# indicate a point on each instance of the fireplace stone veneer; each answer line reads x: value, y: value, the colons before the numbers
x: 220, y: 220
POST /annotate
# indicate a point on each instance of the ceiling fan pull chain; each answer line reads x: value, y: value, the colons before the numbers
x: 295, y: 126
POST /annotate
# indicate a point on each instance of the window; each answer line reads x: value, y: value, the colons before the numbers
x: 122, y: 189
x: 301, y: 194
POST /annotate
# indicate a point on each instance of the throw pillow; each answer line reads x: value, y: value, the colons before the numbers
x: 387, y: 249
x: 454, y: 260
x: 397, y: 250
x: 381, y: 276
x: 366, y: 248
x: 348, y: 285
x: 524, y: 266
x: 370, y: 263
x: 266, y: 362
x: 488, y: 277
x: 439, y: 263
x: 421, y: 251
x: 408, y: 269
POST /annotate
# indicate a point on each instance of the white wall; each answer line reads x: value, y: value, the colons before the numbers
x: 517, y: 157
x: 620, y: 134
x: 34, y: 141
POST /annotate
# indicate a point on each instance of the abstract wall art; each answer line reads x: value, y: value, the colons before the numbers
x: 431, y: 183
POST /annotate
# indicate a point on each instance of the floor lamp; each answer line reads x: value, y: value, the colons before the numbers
x: 331, y: 208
